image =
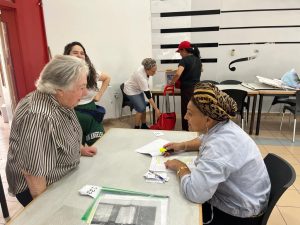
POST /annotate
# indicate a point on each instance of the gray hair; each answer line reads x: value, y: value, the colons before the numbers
x: 61, y: 73
x: 148, y: 63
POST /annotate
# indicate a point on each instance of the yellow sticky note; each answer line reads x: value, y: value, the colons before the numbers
x: 162, y: 150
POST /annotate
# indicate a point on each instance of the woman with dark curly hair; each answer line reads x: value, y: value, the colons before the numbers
x: 87, y: 111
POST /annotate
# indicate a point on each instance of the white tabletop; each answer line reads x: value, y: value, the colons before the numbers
x: 115, y: 165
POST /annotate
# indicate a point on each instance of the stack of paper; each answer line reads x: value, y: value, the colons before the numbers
x: 157, y: 172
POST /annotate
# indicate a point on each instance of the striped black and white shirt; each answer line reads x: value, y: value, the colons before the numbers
x: 44, y: 141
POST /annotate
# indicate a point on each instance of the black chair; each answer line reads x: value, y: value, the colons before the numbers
x: 282, y: 176
x: 230, y: 82
x: 209, y: 81
x: 247, y: 103
x: 3, y: 202
x: 294, y: 109
x: 239, y: 97
x: 282, y: 99
x: 126, y: 102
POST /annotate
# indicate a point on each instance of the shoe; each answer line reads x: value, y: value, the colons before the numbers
x: 144, y: 126
x: 136, y: 127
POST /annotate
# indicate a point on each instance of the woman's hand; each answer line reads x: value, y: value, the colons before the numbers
x: 174, y: 164
x: 88, y: 151
x: 179, y: 167
x: 176, y: 147
x: 157, y: 113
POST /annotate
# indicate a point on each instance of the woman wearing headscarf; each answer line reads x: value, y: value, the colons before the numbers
x: 188, y: 73
x: 230, y: 178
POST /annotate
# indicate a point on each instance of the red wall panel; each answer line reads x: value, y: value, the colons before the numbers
x: 28, y: 42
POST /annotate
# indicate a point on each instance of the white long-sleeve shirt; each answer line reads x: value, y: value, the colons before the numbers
x: 230, y: 173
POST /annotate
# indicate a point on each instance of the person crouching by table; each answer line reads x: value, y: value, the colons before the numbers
x: 45, y: 138
x: 230, y: 178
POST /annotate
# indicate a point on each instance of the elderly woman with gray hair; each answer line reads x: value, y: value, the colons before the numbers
x: 45, y: 138
x: 136, y: 87
x: 230, y: 178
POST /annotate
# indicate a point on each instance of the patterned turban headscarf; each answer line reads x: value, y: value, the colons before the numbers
x: 213, y: 103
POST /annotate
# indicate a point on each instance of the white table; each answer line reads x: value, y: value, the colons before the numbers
x: 116, y: 165
x: 158, y: 91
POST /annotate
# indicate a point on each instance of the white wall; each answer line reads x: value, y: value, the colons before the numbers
x: 119, y: 34
x: 272, y: 60
x: 116, y: 35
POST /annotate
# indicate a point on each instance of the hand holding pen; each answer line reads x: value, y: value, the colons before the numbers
x: 166, y: 152
x: 173, y: 148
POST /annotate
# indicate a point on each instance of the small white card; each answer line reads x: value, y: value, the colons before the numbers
x: 158, y: 133
x: 90, y: 190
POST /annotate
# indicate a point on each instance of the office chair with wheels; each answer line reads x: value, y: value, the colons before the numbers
x: 209, y: 81
x: 282, y: 176
x: 3, y: 202
x: 239, y: 97
x: 126, y: 102
x: 294, y: 109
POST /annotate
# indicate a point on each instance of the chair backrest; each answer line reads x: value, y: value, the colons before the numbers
x: 125, y: 101
x: 230, y: 82
x: 298, y: 103
x: 282, y: 176
x: 239, y: 97
x: 209, y: 81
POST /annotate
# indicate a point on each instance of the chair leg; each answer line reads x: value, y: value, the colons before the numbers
x: 243, y: 123
x: 294, y: 131
x: 3, y: 202
x: 281, y: 121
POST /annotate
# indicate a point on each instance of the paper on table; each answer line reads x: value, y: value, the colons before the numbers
x: 158, y: 162
x: 153, y: 147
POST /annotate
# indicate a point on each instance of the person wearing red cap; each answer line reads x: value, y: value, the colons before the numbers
x: 188, y: 73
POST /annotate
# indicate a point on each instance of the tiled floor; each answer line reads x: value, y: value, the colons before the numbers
x: 286, y: 212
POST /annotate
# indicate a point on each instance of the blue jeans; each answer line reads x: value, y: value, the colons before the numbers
x: 138, y: 102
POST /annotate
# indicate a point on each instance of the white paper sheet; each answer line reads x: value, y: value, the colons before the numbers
x: 153, y: 147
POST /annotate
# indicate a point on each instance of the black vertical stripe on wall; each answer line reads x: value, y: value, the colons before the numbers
x: 203, y: 60
x: 190, y: 29
x: 191, y: 13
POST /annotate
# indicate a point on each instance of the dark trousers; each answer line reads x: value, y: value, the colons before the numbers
x: 186, y: 94
x: 24, y: 197
x: 222, y: 218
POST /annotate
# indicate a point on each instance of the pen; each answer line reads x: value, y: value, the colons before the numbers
x: 158, y: 176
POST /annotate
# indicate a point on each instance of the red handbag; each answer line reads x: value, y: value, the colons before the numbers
x: 178, y: 84
x: 166, y: 121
